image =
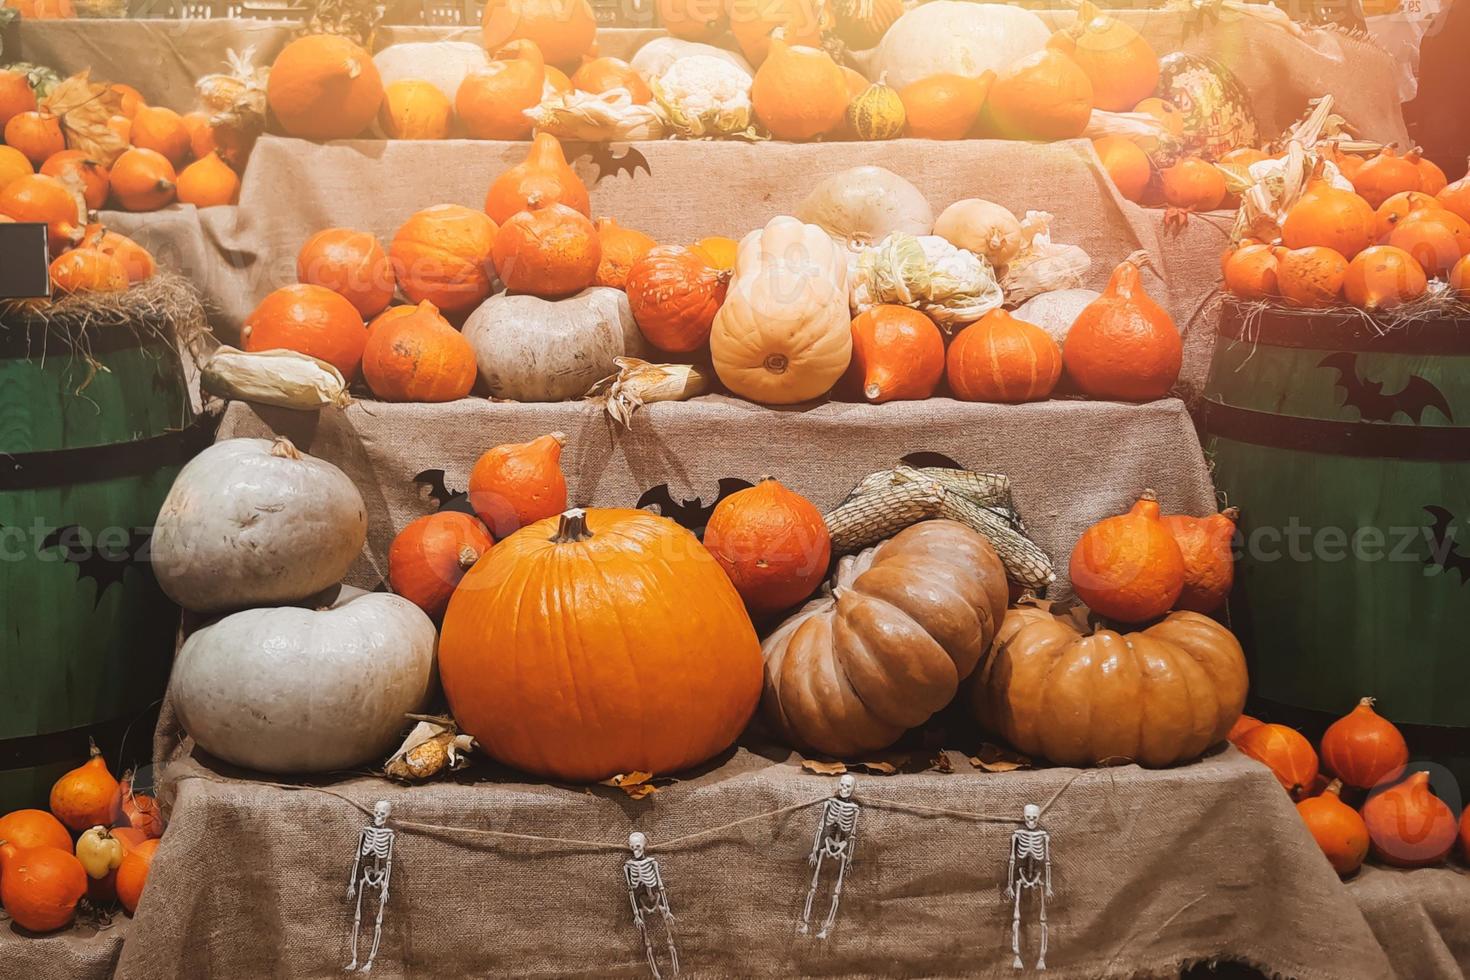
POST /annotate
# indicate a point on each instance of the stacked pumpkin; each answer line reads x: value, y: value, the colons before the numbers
x: 1371, y: 234
x: 96, y: 842
x: 1364, y: 758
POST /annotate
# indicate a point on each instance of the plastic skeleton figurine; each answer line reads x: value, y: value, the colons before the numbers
x: 1030, y: 869
x: 647, y: 895
x: 372, y: 866
x: 836, y: 839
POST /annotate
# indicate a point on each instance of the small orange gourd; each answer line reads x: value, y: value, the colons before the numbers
x: 1001, y: 359
x: 415, y: 110
x: 1456, y: 196
x: 163, y: 131
x: 445, y: 254
x: 1128, y: 567
x: 1337, y: 828
x: 944, y: 106
x: 1408, y: 825
x: 693, y: 20
x: 1286, y: 752
x: 351, y: 264
x: 1209, y: 564
x: 37, y: 134
x: 798, y: 92
x: 491, y: 102
x: 143, y: 180
x: 674, y: 295
x: 209, y: 183
x: 16, y: 96
x: 324, y: 87
x: 1432, y: 179
x: 36, y: 197
x: 621, y: 250
x: 310, y: 320
x: 40, y: 886
x: 1126, y: 164
x: 773, y: 544
x: 1383, y: 278
x: 34, y: 828
x: 201, y: 134
x: 1387, y: 174
x: 1329, y: 217
x: 1045, y: 96
x: 136, y: 260
x: 1363, y: 748
x: 1193, y: 185
x: 418, y: 357
x: 431, y: 554
x: 132, y: 874
x: 74, y: 164
x: 1242, y: 725
x: 550, y: 252
x: 1399, y: 207
x: 1310, y: 277
x: 598, y: 75
x: 562, y: 30
x: 87, y: 795
x: 756, y: 24
x: 85, y: 270
x: 1435, y: 237
x: 1123, y: 345
x: 519, y: 483
x: 1122, y: 66
x: 897, y: 354
x: 542, y: 179
x: 1250, y: 272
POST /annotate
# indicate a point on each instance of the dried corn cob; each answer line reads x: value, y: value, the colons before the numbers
x: 1025, y: 562
x: 874, y: 516
x: 984, y: 488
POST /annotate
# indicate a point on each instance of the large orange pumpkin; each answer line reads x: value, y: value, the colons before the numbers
x: 897, y: 354
x: 93, y: 176
x: 1045, y: 96
x: 1123, y: 345
x: 1435, y: 237
x: 597, y: 643
x: 1310, y: 277
x: 1363, y: 748
x: 46, y: 200
x: 444, y: 254
x: 621, y: 249
x: 418, y: 357
x: 492, y: 101
x: 519, y: 483
x: 799, y: 92
x: 351, y: 263
x: 41, y: 886
x: 1399, y: 207
x: 85, y: 270
x: 324, y: 87
x: 772, y: 542
x: 1001, y: 359
x: 310, y: 320
x: 944, y: 106
x: 1122, y: 66
x: 564, y: 30
x: 674, y: 295
x: 1129, y: 567
x: 541, y: 179
x: 431, y: 554
x: 549, y: 252
x: 1383, y: 278
x: 1387, y: 174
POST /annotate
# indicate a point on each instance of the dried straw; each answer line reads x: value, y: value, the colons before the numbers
x: 166, y: 306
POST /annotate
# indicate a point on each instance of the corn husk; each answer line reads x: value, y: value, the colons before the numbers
x: 1133, y: 125
x: 84, y: 108
x: 1042, y: 265
x: 282, y: 378
x: 235, y: 101
x: 605, y: 117
x: 640, y: 383
x: 953, y: 286
x: 435, y: 745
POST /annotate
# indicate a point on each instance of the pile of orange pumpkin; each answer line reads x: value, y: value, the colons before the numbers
x: 96, y: 842
x: 1376, y: 247
x: 1363, y: 757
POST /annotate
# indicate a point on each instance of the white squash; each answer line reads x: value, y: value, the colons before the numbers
x: 861, y: 206
x: 658, y: 55
x: 982, y: 227
x: 1056, y: 311
x: 537, y: 350
x: 954, y: 36
x: 443, y: 64
x: 249, y: 522
x: 784, y: 334
x: 292, y: 690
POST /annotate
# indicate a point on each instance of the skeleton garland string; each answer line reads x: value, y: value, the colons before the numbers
x: 835, y: 842
x: 648, y: 896
x: 372, y: 867
x: 1029, y: 871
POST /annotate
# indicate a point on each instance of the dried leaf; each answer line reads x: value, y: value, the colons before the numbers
x: 942, y: 763
x: 994, y: 758
x: 636, y: 784
x: 877, y: 768
x: 84, y: 108
x: 823, y: 768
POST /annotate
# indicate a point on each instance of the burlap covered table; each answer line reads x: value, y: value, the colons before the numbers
x: 1420, y: 917
x: 83, y: 952
x: 1153, y: 870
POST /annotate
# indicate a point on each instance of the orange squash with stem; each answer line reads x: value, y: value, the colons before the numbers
x: 519, y: 483
x: 1129, y: 567
x: 431, y: 554
x: 897, y: 355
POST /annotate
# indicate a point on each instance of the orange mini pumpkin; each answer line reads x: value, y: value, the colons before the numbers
x: 1129, y: 567
x: 549, y: 252
x: 1122, y: 66
x: 1193, y: 185
x: 418, y: 357
x: 598, y: 75
x: 414, y: 110
x: 519, y: 484
x: 1045, y: 96
x: 491, y: 102
x: 324, y: 87
x: 621, y: 250
x: 1242, y: 725
x: 897, y: 354
x: 37, y: 134
x: 350, y: 263
x: 1383, y: 278
x: 163, y: 131
x: 1123, y: 345
x: 563, y: 30
x: 444, y: 254
x: 1456, y: 197
x: 16, y: 96
x: 1432, y: 178
x: 87, y: 795
x: 1387, y: 174
x: 136, y: 260
x: 543, y: 178
x: 431, y: 554
x: 799, y: 92
x: 85, y: 270
x: 1250, y: 271
x: 1435, y: 237
x: 93, y: 176
x: 674, y: 295
x: 1337, y: 828
x: 1329, y: 217
x: 1399, y: 207
x: 772, y: 542
x: 13, y: 166
x: 209, y: 183
x: 1310, y: 277
x: 1363, y: 748
x: 310, y: 320
x: 40, y: 886
x: 1209, y: 564
x: 46, y: 200
x: 132, y: 874
x: 1126, y: 164
x: 1286, y: 752
x: 143, y: 180
x: 944, y: 106
x: 1408, y: 825
x: 34, y: 828
x: 693, y: 20
x: 1001, y: 359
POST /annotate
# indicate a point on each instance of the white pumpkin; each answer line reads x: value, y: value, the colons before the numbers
x: 955, y: 37
x: 861, y: 206
x: 443, y: 64
x: 536, y: 350
x: 251, y: 522
x: 658, y: 55
x: 1056, y: 311
x: 292, y: 690
x: 784, y: 334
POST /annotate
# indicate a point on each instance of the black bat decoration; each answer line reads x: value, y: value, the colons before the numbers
x: 1444, y: 553
x: 937, y: 460
x: 447, y: 499
x: 1371, y: 402
x: 610, y: 164
x: 693, y: 513
x: 104, y: 564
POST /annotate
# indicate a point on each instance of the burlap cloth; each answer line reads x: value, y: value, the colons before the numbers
x: 1421, y: 918
x: 80, y: 953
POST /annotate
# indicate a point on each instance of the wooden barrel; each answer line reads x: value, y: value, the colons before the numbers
x: 94, y: 425
x: 1347, y: 450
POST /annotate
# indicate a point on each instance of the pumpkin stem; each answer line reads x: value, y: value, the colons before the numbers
x: 1334, y: 787
x: 285, y: 449
x: 560, y: 438
x: 872, y: 391
x: 1367, y: 702
x: 468, y: 557
x: 1231, y: 514
x: 1148, y: 495
x: 572, y: 527
x: 92, y: 750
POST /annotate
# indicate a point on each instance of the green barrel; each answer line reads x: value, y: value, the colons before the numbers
x: 1347, y: 450
x: 94, y: 425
